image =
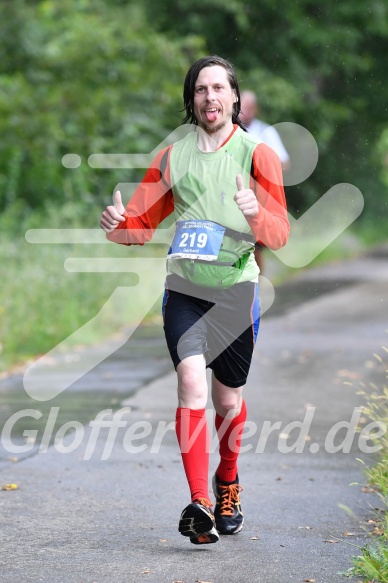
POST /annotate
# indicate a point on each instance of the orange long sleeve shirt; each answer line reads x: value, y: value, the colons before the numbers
x: 153, y: 201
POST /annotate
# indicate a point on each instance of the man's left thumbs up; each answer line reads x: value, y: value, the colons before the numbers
x: 245, y: 198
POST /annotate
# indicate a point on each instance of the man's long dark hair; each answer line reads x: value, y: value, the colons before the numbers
x: 191, y: 79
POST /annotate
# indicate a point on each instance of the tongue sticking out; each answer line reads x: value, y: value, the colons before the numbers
x: 211, y: 115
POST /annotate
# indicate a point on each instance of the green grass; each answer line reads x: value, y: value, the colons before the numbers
x: 372, y: 561
x: 372, y: 564
x: 43, y: 304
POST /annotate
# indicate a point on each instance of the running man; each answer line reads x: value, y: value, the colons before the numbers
x: 225, y: 190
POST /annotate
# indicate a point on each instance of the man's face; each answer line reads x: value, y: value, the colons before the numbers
x: 213, y: 99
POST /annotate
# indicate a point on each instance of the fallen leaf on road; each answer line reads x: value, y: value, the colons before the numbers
x: 350, y: 374
x: 367, y: 489
x: 163, y: 540
x: 13, y: 459
x: 145, y: 571
x: 331, y: 540
x: 8, y: 487
x: 254, y: 538
x: 309, y: 580
x: 348, y: 534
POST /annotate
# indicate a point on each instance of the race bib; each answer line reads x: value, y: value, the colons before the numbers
x: 197, y: 240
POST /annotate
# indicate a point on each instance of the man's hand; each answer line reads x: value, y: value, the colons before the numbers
x: 113, y: 215
x: 246, y: 199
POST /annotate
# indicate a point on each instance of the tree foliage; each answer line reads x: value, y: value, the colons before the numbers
x: 89, y: 76
x: 82, y: 76
x: 322, y: 65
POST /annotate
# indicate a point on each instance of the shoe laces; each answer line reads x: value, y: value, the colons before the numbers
x: 229, y: 497
x: 204, y: 502
x: 207, y: 504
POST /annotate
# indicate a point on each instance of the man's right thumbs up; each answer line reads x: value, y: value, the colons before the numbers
x: 113, y: 215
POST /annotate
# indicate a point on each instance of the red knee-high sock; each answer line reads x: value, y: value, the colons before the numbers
x: 229, y: 435
x: 193, y: 438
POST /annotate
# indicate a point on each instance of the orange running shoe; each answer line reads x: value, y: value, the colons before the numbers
x: 228, y: 514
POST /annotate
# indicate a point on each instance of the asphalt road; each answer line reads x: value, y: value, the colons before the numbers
x: 77, y: 518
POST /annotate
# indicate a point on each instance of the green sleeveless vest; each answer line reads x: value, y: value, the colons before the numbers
x: 203, y: 185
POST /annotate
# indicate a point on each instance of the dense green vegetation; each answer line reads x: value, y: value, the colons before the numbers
x: 89, y: 76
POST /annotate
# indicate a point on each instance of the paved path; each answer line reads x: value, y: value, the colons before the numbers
x: 76, y: 520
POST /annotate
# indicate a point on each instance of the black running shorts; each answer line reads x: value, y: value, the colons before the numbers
x: 221, y: 324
